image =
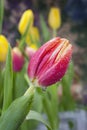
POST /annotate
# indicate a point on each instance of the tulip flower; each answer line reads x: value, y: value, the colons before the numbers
x: 35, y: 33
x: 54, y: 18
x: 33, y: 36
x: 29, y: 51
x: 26, y: 17
x: 18, y: 59
x: 3, y: 48
x: 49, y: 63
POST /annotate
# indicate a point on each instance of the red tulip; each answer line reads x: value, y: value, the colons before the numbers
x: 18, y: 59
x: 49, y: 64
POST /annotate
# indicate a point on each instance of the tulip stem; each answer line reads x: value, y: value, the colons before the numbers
x: 54, y: 32
x: 1, y: 14
x: 31, y: 88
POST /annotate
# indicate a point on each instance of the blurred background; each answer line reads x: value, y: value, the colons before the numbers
x: 73, y: 27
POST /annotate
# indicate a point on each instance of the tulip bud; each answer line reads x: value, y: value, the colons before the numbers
x: 18, y: 59
x: 54, y: 18
x: 3, y: 48
x: 33, y: 36
x: 26, y: 17
x: 49, y: 64
x: 29, y: 51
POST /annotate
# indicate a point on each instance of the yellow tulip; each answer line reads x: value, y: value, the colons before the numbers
x: 27, y: 15
x: 33, y: 36
x: 3, y: 48
x: 54, y: 18
x: 34, y: 46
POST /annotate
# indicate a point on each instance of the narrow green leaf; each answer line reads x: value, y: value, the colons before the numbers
x: 33, y: 115
x: 8, y: 81
x: 1, y: 87
x: 1, y: 14
x: 19, y: 87
x: 23, y: 37
x: 44, y: 29
x: 68, y: 78
x: 68, y: 102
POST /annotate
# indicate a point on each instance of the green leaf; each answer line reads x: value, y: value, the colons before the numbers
x: 68, y: 102
x: 68, y: 78
x: 8, y: 81
x: 44, y: 29
x: 1, y: 14
x: 23, y: 38
x: 33, y: 115
x: 19, y: 87
x: 1, y: 86
x: 14, y: 116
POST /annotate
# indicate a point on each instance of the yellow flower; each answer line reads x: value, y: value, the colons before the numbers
x: 27, y: 15
x: 54, y: 18
x: 3, y: 48
x: 33, y: 36
x: 33, y: 46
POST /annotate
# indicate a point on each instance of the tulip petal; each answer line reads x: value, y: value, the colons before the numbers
x: 39, y: 55
x: 56, y: 72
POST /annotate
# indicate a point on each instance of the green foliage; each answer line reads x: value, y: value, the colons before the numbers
x: 44, y: 29
x: 33, y: 115
x: 20, y: 84
x: 8, y: 82
x: 13, y: 117
x: 50, y: 105
x: 23, y: 37
x: 1, y: 14
x: 67, y: 102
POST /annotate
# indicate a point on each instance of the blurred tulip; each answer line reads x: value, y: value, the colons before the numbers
x: 54, y: 18
x: 76, y: 90
x: 33, y: 36
x: 18, y: 59
x: 3, y: 48
x: 49, y: 64
x: 29, y: 51
x: 26, y: 17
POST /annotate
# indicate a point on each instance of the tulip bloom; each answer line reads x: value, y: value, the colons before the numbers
x: 18, y: 59
x: 3, y: 48
x: 29, y: 51
x: 49, y: 64
x: 54, y: 18
x: 33, y: 36
x: 26, y: 17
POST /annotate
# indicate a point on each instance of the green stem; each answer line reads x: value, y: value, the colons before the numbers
x: 54, y: 32
x: 1, y: 14
x: 48, y: 110
x: 29, y: 90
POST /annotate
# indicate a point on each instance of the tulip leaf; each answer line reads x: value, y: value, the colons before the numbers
x: 33, y: 115
x: 44, y: 29
x: 19, y: 87
x: 8, y: 81
x: 1, y: 86
x: 14, y: 116
x: 67, y: 100
x: 23, y: 38
x: 1, y: 14
x: 68, y: 78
